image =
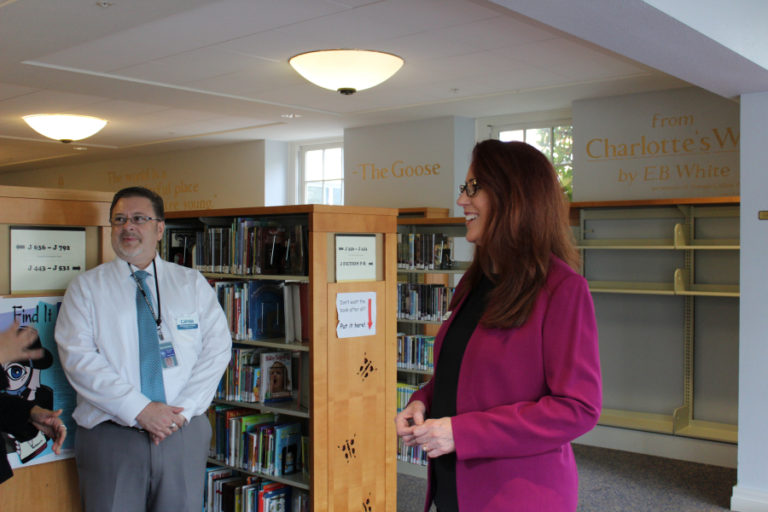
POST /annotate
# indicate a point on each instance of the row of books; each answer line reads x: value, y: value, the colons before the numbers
x: 265, y: 309
x: 420, y: 301
x: 424, y: 251
x: 256, y: 442
x: 412, y: 454
x: 246, y: 247
x: 257, y: 375
x: 228, y: 491
x: 415, y: 351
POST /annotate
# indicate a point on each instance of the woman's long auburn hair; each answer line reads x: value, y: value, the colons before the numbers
x: 528, y: 223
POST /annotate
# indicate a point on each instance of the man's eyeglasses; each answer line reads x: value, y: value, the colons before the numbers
x: 470, y: 187
x: 122, y: 220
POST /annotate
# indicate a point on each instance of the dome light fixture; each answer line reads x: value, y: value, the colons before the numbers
x: 346, y: 71
x: 65, y: 127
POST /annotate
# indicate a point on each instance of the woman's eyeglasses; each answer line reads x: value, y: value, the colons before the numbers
x: 469, y: 187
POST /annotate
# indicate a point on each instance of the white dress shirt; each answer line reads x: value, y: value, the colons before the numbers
x: 98, y: 341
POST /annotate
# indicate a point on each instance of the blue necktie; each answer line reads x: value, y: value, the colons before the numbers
x: 149, y: 349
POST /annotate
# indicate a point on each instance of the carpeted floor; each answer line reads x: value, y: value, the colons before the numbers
x: 617, y: 481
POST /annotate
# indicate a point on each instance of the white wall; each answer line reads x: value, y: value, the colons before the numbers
x: 225, y: 176
x: 751, y: 492
x: 279, y: 174
x: 463, y: 143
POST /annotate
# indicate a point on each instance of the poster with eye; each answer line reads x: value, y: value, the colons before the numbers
x: 44, y: 260
x: 41, y: 381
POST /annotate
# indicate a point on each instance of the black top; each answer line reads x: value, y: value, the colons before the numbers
x: 446, y: 385
x: 14, y: 419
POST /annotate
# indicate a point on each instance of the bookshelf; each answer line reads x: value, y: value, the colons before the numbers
x: 414, y: 333
x: 27, y: 206
x: 664, y: 276
x: 347, y: 413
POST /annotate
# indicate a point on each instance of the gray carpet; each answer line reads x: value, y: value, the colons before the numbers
x: 617, y: 481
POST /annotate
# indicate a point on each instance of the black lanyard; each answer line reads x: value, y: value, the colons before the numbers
x: 157, y: 320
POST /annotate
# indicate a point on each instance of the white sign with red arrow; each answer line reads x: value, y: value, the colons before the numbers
x: 357, y: 314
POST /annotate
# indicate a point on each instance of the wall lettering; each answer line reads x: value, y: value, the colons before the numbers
x: 397, y: 169
x: 680, y: 143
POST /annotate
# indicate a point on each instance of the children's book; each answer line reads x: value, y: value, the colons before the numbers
x: 250, y: 424
x: 229, y: 490
x: 211, y: 475
x: 266, y: 316
x: 275, y: 376
x: 217, y: 490
x: 287, y: 448
x: 266, y: 489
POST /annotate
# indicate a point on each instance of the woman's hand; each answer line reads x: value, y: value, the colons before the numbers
x: 409, y: 418
x: 49, y: 423
x: 435, y: 437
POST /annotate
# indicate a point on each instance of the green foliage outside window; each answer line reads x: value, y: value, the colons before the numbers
x: 554, y: 141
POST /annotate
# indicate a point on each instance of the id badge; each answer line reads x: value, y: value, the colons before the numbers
x: 168, y: 355
x: 187, y: 322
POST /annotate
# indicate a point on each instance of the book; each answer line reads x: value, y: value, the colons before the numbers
x: 266, y: 489
x: 305, y: 456
x: 248, y: 495
x: 274, y: 241
x: 275, y: 376
x: 211, y: 413
x: 288, y: 305
x: 212, y: 474
x: 181, y: 246
x: 296, y: 257
x: 229, y: 490
x: 287, y: 448
x: 223, y: 417
x: 299, y: 501
x: 276, y: 499
x: 268, y: 449
x: 296, y: 312
x: 302, y: 320
x: 259, y: 447
x: 249, y: 424
x: 217, y: 490
x: 266, y: 316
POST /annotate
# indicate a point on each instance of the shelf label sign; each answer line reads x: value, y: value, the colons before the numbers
x: 357, y: 314
x: 355, y: 258
x: 45, y: 259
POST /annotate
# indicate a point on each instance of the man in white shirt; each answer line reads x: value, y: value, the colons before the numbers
x: 142, y: 438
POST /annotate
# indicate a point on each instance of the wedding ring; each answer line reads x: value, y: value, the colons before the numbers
x: 174, y: 426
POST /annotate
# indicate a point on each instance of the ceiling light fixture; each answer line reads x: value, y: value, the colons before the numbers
x: 65, y: 127
x: 346, y: 71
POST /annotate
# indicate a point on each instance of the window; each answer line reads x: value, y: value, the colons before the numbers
x: 322, y: 170
x: 555, y: 141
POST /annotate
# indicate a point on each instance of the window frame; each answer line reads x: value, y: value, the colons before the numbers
x: 532, y: 121
x: 302, y: 181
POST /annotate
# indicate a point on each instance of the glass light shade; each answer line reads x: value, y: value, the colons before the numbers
x: 346, y: 71
x: 65, y: 127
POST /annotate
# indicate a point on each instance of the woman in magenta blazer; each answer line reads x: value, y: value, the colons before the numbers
x: 517, y: 371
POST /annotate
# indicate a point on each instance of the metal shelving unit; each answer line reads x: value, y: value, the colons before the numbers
x: 602, y: 229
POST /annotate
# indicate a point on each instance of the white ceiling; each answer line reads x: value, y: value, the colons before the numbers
x: 175, y: 74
